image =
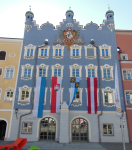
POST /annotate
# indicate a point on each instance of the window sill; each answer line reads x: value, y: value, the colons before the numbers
x: 8, y: 78
x: 108, y: 135
x: 43, y: 56
x: 75, y: 57
x: 26, y: 78
x: 109, y: 103
x: 26, y: 132
x: 23, y: 101
x: 58, y: 57
x: 8, y: 101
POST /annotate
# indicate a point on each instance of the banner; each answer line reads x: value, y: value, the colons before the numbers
x: 39, y: 97
x: 92, y: 95
x: 117, y: 97
x: 56, y: 94
x: 74, y: 86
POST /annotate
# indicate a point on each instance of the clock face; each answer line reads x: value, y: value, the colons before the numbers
x: 69, y: 35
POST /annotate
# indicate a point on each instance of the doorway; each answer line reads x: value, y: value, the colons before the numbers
x: 3, y: 125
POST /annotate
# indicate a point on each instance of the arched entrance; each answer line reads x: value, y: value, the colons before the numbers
x: 2, y: 129
x: 47, y: 129
x: 79, y: 129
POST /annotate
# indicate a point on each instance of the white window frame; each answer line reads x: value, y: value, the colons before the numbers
x: 9, y: 67
x: 26, y: 66
x: 5, y: 56
x: 57, y: 66
x: 104, y: 46
x: 75, y: 66
x: 126, y: 56
x: 106, y: 66
x: 58, y: 46
x: 108, y: 89
x: 127, y: 70
x: 108, y: 129
x: 75, y: 46
x: 90, y: 46
x: 10, y: 89
x: 42, y: 66
x: 125, y: 91
x: 0, y: 93
x: 24, y: 88
x: 1, y: 71
x: 39, y: 52
x: 27, y: 128
x: 91, y: 66
x: 80, y: 94
x: 30, y: 46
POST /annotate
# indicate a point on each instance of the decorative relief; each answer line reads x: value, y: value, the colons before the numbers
x: 12, y: 54
x: 111, y: 27
x: 91, y: 66
x: 28, y: 27
x: 30, y: 46
x: 43, y: 66
x: 75, y: 46
x: 69, y: 25
x: 58, y: 46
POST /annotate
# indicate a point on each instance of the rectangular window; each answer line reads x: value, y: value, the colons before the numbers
x: 108, y: 129
x: 29, y: 52
x: 90, y: 52
x: 129, y: 97
x: 108, y: 97
x: 27, y: 127
x: 77, y: 98
x: 105, y: 52
x: 42, y: 72
x: 9, y: 73
x: 25, y: 96
x: 75, y: 72
x: 43, y: 52
x: 0, y: 71
x: 75, y: 52
x: 9, y: 95
x: 57, y: 72
x: 127, y: 74
x: 27, y: 72
x: 106, y: 73
x: 91, y: 72
x: 58, y: 52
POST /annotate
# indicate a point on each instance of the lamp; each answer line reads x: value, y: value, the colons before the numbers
x: 16, y: 110
x: 92, y: 41
x: 46, y: 41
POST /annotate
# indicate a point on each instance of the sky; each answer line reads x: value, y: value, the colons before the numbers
x: 12, y: 13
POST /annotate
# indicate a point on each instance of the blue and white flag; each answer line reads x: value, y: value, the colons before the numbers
x: 39, y: 97
x: 74, y: 86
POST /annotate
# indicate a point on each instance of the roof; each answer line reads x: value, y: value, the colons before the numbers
x: 69, y: 11
x: 30, y: 12
x: 110, y: 11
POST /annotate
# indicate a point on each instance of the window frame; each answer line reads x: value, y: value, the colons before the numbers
x: 39, y: 52
x: 30, y: 46
x: 90, y: 46
x: 9, y: 90
x: 125, y: 91
x: 126, y: 75
x: 91, y: 66
x: 108, y: 130
x: 0, y: 93
x: 75, y: 66
x: 1, y: 71
x: 57, y: 66
x: 27, y: 128
x: 79, y: 51
x: 104, y: 46
x: 5, y: 54
x: 42, y: 66
x: 58, y: 46
x: 126, y: 56
x: 9, y: 67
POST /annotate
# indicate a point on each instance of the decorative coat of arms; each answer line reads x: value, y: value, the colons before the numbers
x: 69, y: 38
x: 56, y: 87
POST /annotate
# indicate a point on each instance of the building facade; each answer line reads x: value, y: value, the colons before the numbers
x: 69, y: 50
x: 10, y: 50
x: 124, y: 40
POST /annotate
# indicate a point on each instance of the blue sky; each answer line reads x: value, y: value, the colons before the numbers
x: 12, y: 13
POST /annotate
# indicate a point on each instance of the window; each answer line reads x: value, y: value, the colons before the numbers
x: 91, y: 70
x: 127, y: 75
x: 124, y: 57
x: 0, y: 71
x: 0, y: 92
x: 58, y: 51
x: 128, y: 97
x: 90, y: 51
x: 57, y: 70
x: 107, y: 72
x: 25, y: 96
x: 77, y: 98
x: 108, y: 129
x: 43, y: 52
x: 42, y: 70
x: 9, y: 72
x: 26, y: 73
x: 2, y: 55
x: 75, y: 52
x: 105, y: 51
x: 29, y: 51
x: 108, y: 97
x: 75, y: 70
x: 9, y: 94
x: 27, y: 127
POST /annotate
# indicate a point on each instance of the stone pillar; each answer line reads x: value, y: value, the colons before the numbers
x: 64, y: 124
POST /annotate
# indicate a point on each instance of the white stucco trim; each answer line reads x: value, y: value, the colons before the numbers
x: 12, y: 54
x: 6, y: 68
x: 43, y: 66
x: 57, y: 66
x: 75, y: 46
x: 58, y: 46
x: 75, y: 66
x: 90, y: 46
x: 0, y: 93
x: 10, y: 89
x: 6, y: 126
x: 126, y: 69
x: 1, y: 71
x: 39, y: 52
x: 30, y: 46
x: 125, y: 96
x: 126, y: 56
x: 91, y: 66
x: 104, y: 46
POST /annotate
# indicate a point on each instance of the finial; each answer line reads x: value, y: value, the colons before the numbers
x: 69, y: 8
x: 108, y: 7
x: 29, y: 7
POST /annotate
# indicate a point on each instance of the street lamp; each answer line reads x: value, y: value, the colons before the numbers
x: 16, y: 110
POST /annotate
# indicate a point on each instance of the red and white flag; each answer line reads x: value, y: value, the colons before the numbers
x: 56, y: 94
x: 92, y: 95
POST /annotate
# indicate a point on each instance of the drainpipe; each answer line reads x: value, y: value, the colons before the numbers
x: 34, y: 79
x: 100, y: 98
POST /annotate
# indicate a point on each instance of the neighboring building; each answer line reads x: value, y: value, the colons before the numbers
x: 69, y: 53
x: 124, y: 44
x: 10, y: 49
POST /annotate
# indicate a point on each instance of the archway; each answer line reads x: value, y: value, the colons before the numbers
x: 3, y: 125
x: 79, y: 130
x: 47, y: 129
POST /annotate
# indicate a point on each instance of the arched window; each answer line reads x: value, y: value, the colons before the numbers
x: 2, y: 55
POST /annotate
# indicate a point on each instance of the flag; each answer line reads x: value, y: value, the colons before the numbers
x: 39, y: 97
x: 117, y: 97
x: 74, y: 86
x: 56, y: 94
x: 92, y: 95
